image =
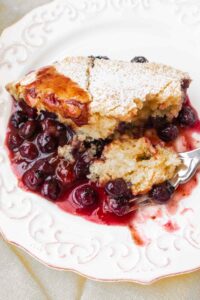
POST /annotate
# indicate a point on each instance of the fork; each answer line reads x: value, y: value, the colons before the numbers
x: 190, y: 163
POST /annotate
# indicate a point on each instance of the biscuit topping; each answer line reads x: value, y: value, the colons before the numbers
x: 59, y: 94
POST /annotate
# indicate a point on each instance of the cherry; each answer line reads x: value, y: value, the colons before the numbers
x: 117, y: 189
x: 85, y: 196
x: 17, y: 119
x: 161, y: 193
x: 29, y: 151
x: 28, y: 129
x: 32, y: 179
x: 139, y: 59
x: 51, y: 189
x: 119, y: 207
x: 47, y: 142
x: 168, y: 133
x: 14, y: 141
x: 187, y: 117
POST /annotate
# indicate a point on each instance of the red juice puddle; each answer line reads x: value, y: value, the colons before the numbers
x: 97, y: 213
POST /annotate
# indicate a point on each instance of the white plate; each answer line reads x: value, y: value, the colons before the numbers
x: 163, y: 31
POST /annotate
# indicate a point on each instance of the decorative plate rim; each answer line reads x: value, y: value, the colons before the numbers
x: 97, y: 8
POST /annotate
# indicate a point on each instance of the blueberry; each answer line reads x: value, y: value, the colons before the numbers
x: 85, y: 196
x: 29, y: 111
x: 28, y: 129
x: 17, y: 119
x: 66, y: 136
x: 161, y: 193
x: 46, y: 114
x: 81, y: 168
x: 185, y: 84
x: 187, y: 117
x: 119, y: 207
x: 139, y: 59
x: 51, y: 189
x: 14, y: 141
x: 44, y: 167
x: 32, y: 179
x: 168, y: 133
x: 117, y: 189
x: 157, y: 122
x: 47, y: 142
x: 29, y: 151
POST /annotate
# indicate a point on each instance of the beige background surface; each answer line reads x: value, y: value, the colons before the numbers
x: 23, y: 278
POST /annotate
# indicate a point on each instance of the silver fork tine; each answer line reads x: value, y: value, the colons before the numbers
x: 191, y: 161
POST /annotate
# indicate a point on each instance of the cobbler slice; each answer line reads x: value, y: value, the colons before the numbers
x: 95, y: 95
x: 95, y: 133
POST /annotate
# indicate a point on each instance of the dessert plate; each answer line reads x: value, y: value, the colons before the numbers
x: 163, y: 31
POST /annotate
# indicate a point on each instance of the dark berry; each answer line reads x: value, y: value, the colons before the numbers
x: 29, y: 151
x: 64, y: 172
x: 168, y: 133
x: 161, y: 193
x: 187, y: 117
x: 185, y: 84
x: 17, y: 119
x: 28, y: 129
x: 51, y: 189
x: 139, y: 59
x: 44, y: 167
x: 47, y: 142
x: 85, y: 196
x: 31, y: 112
x: 117, y: 189
x: 32, y: 179
x: 81, y: 168
x: 46, y: 114
x: 53, y: 127
x: 14, y: 141
x: 66, y: 136
x: 119, y: 207
x: 157, y: 122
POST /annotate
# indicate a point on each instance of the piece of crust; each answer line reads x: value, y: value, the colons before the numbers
x: 137, y: 161
x: 95, y: 95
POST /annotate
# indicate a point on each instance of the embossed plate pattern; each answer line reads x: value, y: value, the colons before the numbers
x: 164, y: 31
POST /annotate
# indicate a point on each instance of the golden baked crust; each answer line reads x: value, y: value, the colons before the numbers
x: 95, y: 95
x: 138, y: 162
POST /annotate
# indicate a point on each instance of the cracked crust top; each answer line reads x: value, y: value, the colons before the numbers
x: 95, y: 95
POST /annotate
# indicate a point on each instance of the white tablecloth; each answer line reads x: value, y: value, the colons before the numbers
x: 23, y: 278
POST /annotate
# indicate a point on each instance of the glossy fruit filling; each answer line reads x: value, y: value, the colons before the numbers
x: 33, y: 140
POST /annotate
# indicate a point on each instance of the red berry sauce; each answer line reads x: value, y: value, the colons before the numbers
x: 32, y: 142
